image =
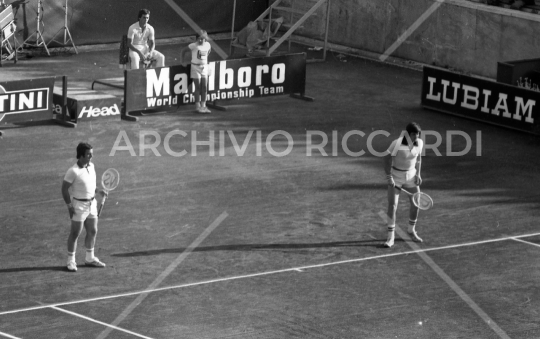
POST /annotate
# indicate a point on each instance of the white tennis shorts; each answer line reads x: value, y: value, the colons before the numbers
x: 199, y: 71
x: 404, y: 178
x: 84, y: 210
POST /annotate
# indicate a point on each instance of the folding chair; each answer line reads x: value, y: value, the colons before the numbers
x: 8, y: 49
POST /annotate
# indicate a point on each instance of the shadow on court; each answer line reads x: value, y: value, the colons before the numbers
x: 29, y: 269
x: 255, y: 247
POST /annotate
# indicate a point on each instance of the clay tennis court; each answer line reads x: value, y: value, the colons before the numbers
x: 260, y: 246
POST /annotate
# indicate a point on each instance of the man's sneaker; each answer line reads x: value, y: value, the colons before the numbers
x: 203, y: 110
x: 197, y: 106
x: 95, y: 263
x: 415, y: 237
x: 389, y: 243
x: 72, y: 266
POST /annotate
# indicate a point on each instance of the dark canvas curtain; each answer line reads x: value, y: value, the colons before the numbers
x: 105, y: 21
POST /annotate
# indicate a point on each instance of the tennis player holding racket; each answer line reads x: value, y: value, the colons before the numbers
x: 402, y: 165
x: 79, y: 190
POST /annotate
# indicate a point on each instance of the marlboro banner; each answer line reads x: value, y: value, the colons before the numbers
x: 168, y: 87
x: 488, y: 101
x: 26, y: 100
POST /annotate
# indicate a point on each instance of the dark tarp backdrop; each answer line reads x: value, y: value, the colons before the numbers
x: 105, y: 21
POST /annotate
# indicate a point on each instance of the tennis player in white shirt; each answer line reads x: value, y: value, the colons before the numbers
x: 142, y: 42
x: 200, y: 50
x: 79, y: 190
x: 402, y: 165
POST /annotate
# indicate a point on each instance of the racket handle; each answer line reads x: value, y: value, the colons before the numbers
x: 101, y: 205
x: 402, y: 190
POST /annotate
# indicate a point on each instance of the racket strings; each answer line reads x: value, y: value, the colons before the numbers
x: 422, y: 201
x: 110, y: 179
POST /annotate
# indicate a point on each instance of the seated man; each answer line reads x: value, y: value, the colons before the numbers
x: 255, y: 34
x: 141, y: 42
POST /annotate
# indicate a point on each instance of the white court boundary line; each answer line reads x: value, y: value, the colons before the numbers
x: 526, y: 242
x: 99, y: 322
x: 252, y: 275
x: 8, y: 335
x: 451, y: 283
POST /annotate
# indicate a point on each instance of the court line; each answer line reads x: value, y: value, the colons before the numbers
x: 451, y: 283
x: 411, y: 29
x: 127, y: 311
x: 252, y: 275
x: 99, y: 322
x: 526, y: 242
x: 8, y: 335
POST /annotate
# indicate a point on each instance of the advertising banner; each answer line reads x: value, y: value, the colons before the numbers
x: 26, y: 100
x: 474, y: 98
x: 86, y: 104
x: 168, y: 87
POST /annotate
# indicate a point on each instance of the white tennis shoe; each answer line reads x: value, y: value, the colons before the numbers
x: 72, y: 266
x: 95, y: 263
x: 389, y: 243
x: 203, y: 110
x: 415, y: 237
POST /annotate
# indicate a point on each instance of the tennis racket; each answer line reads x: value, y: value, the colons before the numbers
x: 148, y: 60
x: 419, y: 199
x: 109, y: 181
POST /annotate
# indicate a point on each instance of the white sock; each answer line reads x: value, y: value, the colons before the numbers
x: 90, y: 254
x: 412, y: 225
x: 71, y: 257
x: 391, y: 233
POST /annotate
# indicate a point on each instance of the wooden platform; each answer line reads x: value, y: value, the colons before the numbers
x: 84, y: 104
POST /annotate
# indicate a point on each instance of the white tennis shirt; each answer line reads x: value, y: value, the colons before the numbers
x: 403, y: 157
x: 199, y: 53
x: 138, y: 36
x: 83, y: 181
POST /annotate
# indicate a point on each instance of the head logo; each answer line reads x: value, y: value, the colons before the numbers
x: 92, y: 112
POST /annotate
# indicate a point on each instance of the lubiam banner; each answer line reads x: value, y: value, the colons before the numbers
x: 479, y: 99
